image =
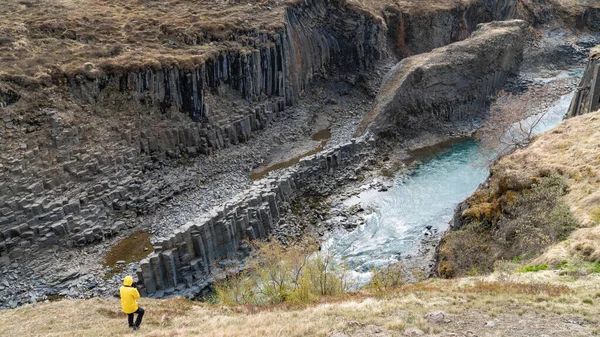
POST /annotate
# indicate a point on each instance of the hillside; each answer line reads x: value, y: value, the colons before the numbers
x: 516, y: 304
x: 519, y: 211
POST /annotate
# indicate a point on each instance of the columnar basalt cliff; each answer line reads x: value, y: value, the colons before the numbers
x: 449, y: 84
x: 68, y: 191
x: 186, y: 258
x: 411, y: 33
x: 68, y: 198
x: 97, y: 109
x: 587, y: 96
x: 319, y: 37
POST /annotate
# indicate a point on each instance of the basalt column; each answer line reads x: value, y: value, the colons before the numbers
x: 587, y: 95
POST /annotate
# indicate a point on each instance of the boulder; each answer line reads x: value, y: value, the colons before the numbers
x: 448, y: 84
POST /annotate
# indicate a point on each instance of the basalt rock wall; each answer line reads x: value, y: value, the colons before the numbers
x: 70, y: 196
x: 449, y: 84
x: 590, y: 19
x: 587, y: 95
x: 186, y: 258
x: 320, y: 37
x: 412, y: 33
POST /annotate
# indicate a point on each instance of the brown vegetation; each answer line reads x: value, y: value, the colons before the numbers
x: 50, y: 36
x: 509, y: 219
x: 131, y: 249
x: 278, y: 274
x: 42, y: 39
x: 534, y: 197
x: 514, y: 288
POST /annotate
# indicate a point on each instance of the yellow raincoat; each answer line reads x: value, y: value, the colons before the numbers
x: 129, y: 295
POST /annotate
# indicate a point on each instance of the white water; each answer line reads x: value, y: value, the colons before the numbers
x: 426, y: 197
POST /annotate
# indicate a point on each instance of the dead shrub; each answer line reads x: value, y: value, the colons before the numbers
x: 389, y: 277
x: 511, y: 123
x: 280, y: 274
x: 468, y: 250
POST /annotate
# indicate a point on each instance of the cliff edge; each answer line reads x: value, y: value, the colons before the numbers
x: 449, y: 84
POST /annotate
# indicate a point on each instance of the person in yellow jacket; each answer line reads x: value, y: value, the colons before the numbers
x: 129, y: 296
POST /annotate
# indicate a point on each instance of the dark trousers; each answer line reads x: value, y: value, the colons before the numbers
x: 138, y: 320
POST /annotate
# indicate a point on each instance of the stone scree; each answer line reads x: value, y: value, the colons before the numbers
x: 186, y: 258
x: 587, y: 95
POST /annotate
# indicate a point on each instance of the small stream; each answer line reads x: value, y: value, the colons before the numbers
x: 399, y: 217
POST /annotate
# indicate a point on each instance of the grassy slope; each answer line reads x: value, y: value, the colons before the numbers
x: 569, y: 151
x: 521, y: 306
x: 573, y: 149
x: 48, y: 34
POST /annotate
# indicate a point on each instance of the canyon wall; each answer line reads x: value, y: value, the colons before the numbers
x: 186, y: 258
x: 318, y: 38
x: 416, y: 32
x: 449, y: 84
x: 68, y: 196
x: 587, y: 95
x: 72, y: 193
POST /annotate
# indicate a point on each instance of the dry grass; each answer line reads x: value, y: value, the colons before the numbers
x: 66, y: 34
x: 571, y: 150
x: 533, y: 299
x: 513, y: 288
x: 503, y: 211
x: 39, y: 39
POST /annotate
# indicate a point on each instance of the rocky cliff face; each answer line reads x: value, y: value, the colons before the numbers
x: 449, y: 84
x: 319, y: 38
x: 68, y: 196
x: 587, y: 96
x: 70, y: 188
x: 413, y: 33
x: 67, y: 191
x: 184, y: 261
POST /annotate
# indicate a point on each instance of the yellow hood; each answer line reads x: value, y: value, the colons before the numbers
x: 128, y: 281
